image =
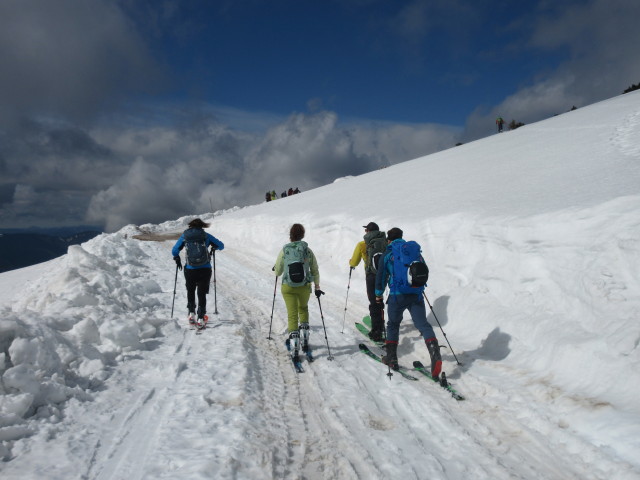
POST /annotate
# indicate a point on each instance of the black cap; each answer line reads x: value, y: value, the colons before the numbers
x: 394, y: 234
x: 371, y: 226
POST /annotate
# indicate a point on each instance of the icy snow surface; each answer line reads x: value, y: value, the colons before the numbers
x: 533, y: 242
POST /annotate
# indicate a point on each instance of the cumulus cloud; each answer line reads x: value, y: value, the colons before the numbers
x: 68, y: 57
x: 184, y: 170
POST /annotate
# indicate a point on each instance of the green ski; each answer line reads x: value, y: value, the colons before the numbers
x: 442, y: 382
x: 403, y: 371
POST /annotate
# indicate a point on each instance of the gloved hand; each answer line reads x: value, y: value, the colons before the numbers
x: 351, y: 269
x: 178, y: 262
x: 319, y: 292
x: 213, y: 248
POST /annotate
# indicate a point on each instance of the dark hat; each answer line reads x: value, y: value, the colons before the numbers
x: 394, y: 234
x: 371, y: 226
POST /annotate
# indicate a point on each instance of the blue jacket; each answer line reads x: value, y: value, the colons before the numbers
x: 211, y: 240
x: 385, y: 272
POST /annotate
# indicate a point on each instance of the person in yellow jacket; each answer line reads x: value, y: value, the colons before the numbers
x: 298, y: 266
x: 370, y: 250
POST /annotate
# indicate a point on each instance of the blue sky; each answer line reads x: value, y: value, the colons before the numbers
x: 112, y: 109
x: 381, y: 60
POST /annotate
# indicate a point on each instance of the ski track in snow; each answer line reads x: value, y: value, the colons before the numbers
x: 231, y: 383
x: 319, y: 424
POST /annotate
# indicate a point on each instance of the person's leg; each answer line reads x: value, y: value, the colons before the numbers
x: 203, y: 282
x: 191, y: 289
x: 375, y: 309
x: 418, y: 313
x: 395, y: 307
x: 291, y: 301
x: 304, y: 293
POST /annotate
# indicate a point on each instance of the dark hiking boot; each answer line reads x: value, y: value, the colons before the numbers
x: 436, y: 359
x: 304, y: 336
x: 376, y: 335
x: 391, y: 358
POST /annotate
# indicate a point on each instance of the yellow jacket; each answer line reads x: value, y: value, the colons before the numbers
x: 359, y: 253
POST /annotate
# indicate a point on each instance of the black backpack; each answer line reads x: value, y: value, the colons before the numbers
x: 195, y: 242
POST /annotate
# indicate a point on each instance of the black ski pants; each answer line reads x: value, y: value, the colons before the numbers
x: 375, y: 308
x: 197, y: 279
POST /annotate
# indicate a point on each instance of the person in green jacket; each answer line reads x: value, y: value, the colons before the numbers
x: 299, y: 268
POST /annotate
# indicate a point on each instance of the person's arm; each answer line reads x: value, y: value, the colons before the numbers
x: 313, y: 266
x: 381, y: 277
x: 175, y: 251
x: 215, y: 242
x: 279, y: 266
x: 357, y: 255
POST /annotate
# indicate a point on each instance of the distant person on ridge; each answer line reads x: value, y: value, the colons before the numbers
x: 406, y: 272
x: 267, y: 196
x: 500, y: 124
x: 298, y: 266
x: 371, y: 249
x: 274, y: 195
x: 197, y: 271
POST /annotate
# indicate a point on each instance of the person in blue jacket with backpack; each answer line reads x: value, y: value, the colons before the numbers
x: 197, y: 271
x: 406, y: 273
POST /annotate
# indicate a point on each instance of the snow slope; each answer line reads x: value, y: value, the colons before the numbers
x: 532, y: 238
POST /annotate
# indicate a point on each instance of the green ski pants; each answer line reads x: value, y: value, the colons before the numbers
x: 297, y: 301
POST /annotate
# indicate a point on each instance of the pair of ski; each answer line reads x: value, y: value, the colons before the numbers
x: 365, y: 327
x: 196, y: 327
x: 297, y: 364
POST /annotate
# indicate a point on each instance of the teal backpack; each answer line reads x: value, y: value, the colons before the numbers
x: 296, y: 264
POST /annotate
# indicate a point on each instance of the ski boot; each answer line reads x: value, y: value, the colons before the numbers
x: 436, y: 359
x: 201, y: 322
x: 191, y: 318
x: 391, y: 358
x: 304, y: 336
x: 293, y: 344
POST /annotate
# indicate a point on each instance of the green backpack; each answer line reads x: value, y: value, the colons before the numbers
x: 376, y: 243
x: 296, y: 264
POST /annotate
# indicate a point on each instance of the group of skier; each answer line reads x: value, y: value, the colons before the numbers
x: 272, y: 195
x: 388, y: 260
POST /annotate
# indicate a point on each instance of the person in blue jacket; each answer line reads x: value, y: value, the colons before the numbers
x: 397, y: 303
x: 197, y: 271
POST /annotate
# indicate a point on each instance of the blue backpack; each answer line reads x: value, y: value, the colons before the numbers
x: 410, y: 272
x: 195, y: 242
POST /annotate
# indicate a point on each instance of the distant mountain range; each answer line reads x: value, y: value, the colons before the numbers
x: 20, y: 248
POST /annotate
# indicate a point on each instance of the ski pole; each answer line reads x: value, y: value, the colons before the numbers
x: 445, y: 335
x: 272, y: 307
x: 215, y: 289
x: 347, y: 299
x: 175, y: 283
x: 330, y: 357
